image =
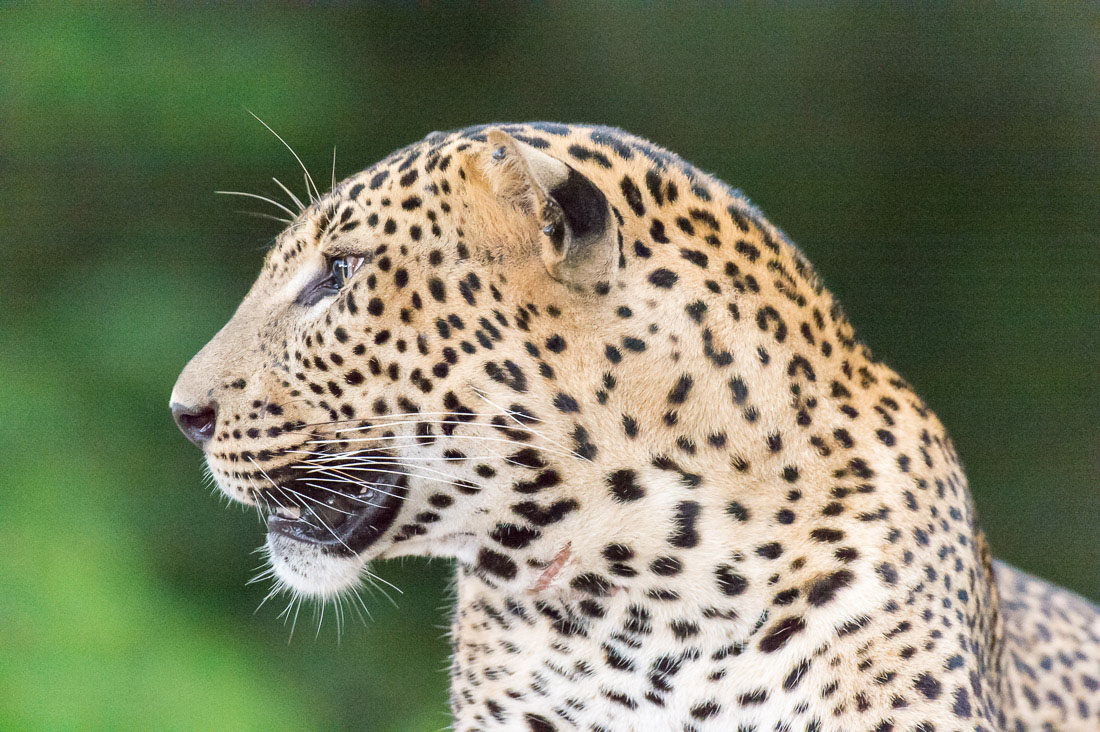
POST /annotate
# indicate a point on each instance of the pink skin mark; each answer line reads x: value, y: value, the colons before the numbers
x: 551, y: 572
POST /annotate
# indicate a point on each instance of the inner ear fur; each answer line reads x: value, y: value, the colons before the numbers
x: 572, y: 216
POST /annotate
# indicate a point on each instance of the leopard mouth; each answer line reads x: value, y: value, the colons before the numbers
x: 340, y: 512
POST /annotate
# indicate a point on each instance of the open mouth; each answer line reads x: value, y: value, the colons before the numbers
x: 339, y: 510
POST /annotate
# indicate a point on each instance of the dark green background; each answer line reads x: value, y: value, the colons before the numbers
x: 940, y: 168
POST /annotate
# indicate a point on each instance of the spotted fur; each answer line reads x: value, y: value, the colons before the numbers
x: 680, y: 494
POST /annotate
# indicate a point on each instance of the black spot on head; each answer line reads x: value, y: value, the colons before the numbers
x: 679, y: 393
x: 565, y: 403
x: 730, y: 582
x: 823, y: 590
x: 538, y: 723
x: 513, y: 536
x: 633, y: 196
x: 694, y: 256
x: 378, y: 179
x: 887, y: 572
x: 624, y: 486
x: 666, y: 566
x: 583, y: 153
x: 706, y: 710
x: 653, y: 183
x: 771, y: 550
x: 685, y: 534
x: 781, y: 633
x: 663, y: 278
x: 738, y: 511
x: 496, y: 564
x: 927, y: 685
x: 555, y: 343
x: 551, y: 514
x: 657, y: 231
x: 592, y: 584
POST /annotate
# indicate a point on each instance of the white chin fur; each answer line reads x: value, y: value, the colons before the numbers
x: 308, y: 571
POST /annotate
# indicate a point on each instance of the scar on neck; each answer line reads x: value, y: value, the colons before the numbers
x: 552, y: 570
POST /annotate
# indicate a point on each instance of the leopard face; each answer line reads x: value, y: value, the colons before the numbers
x: 411, y: 371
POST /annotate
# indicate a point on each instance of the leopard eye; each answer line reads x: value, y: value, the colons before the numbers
x: 337, y: 272
x: 343, y: 268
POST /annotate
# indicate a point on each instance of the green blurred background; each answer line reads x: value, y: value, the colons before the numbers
x: 940, y: 168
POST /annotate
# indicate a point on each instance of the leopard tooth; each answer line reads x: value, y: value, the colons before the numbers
x: 289, y: 512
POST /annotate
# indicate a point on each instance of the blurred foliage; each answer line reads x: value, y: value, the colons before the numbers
x: 939, y: 167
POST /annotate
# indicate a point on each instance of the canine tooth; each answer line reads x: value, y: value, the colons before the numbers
x: 289, y: 512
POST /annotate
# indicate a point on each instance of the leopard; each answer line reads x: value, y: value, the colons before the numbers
x: 677, y: 491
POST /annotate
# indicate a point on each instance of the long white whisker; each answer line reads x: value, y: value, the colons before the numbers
x: 374, y: 579
x: 457, y: 422
x: 322, y: 466
x: 516, y: 419
x: 391, y: 416
x: 384, y: 460
x: 294, y: 624
x: 309, y: 178
x: 258, y: 197
x: 274, y: 591
x: 355, y: 594
x: 344, y: 479
x: 297, y: 201
x: 450, y: 482
x: 259, y: 215
x: 391, y: 438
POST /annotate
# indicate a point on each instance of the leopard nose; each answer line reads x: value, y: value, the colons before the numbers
x: 196, y: 423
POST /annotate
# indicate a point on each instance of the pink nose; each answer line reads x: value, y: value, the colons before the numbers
x: 196, y: 423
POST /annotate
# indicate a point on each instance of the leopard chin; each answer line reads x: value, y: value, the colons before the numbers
x: 308, y: 570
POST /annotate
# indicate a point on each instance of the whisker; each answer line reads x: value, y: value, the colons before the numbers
x: 387, y: 460
x: 309, y: 178
x: 424, y: 477
x: 258, y: 215
x: 375, y: 578
x: 357, y: 597
x: 391, y: 438
x: 359, y: 460
x: 258, y: 197
x: 294, y: 624
x: 297, y: 201
x: 392, y: 415
x: 342, y: 479
x: 516, y: 419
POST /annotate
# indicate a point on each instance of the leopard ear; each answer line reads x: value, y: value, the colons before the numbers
x: 574, y: 220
